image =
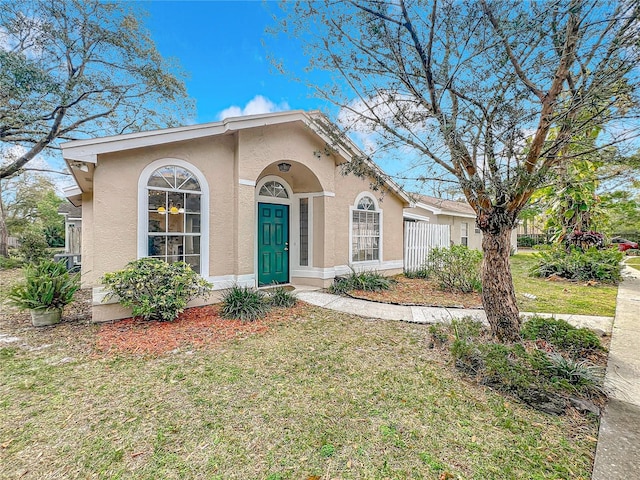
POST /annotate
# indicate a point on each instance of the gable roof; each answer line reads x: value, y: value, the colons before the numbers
x: 440, y: 206
x: 82, y: 155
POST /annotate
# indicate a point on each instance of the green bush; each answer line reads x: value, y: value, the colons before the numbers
x: 574, y: 341
x: 422, y: 272
x: 47, y: 286
x: 7, y: 263
x: 370, y: 281
x: 580, y: 375
x: 592, y: 264
x: 33, y: 246
x: 244, y: 303
x: 281, y: 297
x: 154, y: 289
x: 456, y: 268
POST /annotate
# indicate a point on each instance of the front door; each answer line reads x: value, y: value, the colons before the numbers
x: 273, y: 244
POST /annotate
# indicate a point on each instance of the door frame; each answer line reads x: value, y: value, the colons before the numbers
x: 276, y: 201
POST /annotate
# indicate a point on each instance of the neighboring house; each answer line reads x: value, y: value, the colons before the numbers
x: 72, y: 227
x: 457, y: 214
x: 255, y: 200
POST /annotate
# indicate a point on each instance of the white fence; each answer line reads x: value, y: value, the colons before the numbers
x: 13, y: 242
x: 419, y: 239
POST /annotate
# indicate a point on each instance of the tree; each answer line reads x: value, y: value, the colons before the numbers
x: 496, y: 94
x: 73, y: 68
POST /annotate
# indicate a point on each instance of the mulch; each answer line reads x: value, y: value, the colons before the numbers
x: 420, y: 291
x: 195, y: 328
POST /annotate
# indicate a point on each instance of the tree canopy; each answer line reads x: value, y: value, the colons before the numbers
x: 496, y: 94
x: 75, y: 68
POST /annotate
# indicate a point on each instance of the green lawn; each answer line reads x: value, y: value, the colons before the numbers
x: 560, y: 297
x: 633, y: 262
x: 323, y: 396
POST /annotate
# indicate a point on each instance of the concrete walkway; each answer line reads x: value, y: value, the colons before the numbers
x: 413, y: 314
x: 618, y: 451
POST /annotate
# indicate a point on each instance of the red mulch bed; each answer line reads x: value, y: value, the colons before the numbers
x: 419, y: 291
x: 195, y: 327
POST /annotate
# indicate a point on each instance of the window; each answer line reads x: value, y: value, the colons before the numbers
x: 464, y: 234
x: 174, y: 207
x: 365, y: 231
x: 304, y: 232
x: 273, y: 189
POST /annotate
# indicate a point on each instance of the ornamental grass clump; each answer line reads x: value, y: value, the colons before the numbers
x: 154, y: 289
x: 281, y: 297
x: 368, y: 281
x: 244, y: 303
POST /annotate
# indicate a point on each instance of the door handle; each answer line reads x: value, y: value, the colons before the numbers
x: 286, y: 249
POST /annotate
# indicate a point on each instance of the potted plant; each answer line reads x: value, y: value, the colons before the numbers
x: 47, y: 288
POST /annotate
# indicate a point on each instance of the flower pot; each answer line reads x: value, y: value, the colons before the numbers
x: 43, y: 318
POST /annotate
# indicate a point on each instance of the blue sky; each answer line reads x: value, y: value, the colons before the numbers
x: 219, y: 44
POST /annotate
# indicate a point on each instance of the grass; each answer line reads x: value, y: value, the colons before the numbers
x: 560, y: 297
x: 633, y: 262
x: 322, y: 396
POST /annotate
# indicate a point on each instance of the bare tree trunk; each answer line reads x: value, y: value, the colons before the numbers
x: 4, y: 234
x: 498, y: 294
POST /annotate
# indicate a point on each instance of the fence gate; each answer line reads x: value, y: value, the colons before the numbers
x: 419, y: 239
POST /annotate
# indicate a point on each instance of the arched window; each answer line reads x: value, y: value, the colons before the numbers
x: 174, y: 227
x: 365, y: 230
x: 273, y: 189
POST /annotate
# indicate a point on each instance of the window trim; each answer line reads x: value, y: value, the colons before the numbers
x: 354, y: 207
x: 466, y: 224
x: 143, y: 214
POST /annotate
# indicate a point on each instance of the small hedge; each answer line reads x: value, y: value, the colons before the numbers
x: 592, y: 264
x: 154, y: 289
x: 456, y: 268
x: 369, y: 281
x: 577, y: 342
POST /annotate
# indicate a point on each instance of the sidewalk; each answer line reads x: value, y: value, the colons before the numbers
x: 386, y: 311
x: 618, y: 451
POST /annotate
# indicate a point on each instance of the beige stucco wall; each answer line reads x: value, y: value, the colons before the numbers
x: 232, y: 164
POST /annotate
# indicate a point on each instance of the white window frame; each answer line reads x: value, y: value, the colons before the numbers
x: 143, y: 214
x: 466, y: 230
x: 378, y: 210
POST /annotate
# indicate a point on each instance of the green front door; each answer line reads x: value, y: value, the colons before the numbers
x: 273, y: 244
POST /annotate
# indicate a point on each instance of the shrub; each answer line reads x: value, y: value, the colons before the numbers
x: 154, y: 289
x: 7, y: 263
x: 33, y: 246
x: 456, y: 268
x: 422, y: 272
x: 244, y: 303
x: 370, y: 281
x: 584, y: 240
x: 575, y: 341
x: 281, y: 297
x: 592, y: 264
x: 47, y: 286
x: 580, y: 376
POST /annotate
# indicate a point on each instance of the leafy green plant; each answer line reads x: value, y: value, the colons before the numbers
x: 575, y: 341
x: 456, y: 268
x: 422, y: 272
x: 370, y: 281
x: 592, y: 264
x: 33, y: 245
x: 579, y: 375
x: 281, y: 297
x: 244, y: 303
x: 7, y: 263
x: 47, y: 286
x: 154, y: 289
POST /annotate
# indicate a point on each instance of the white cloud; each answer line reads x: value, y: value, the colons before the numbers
x: 255, y: 106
